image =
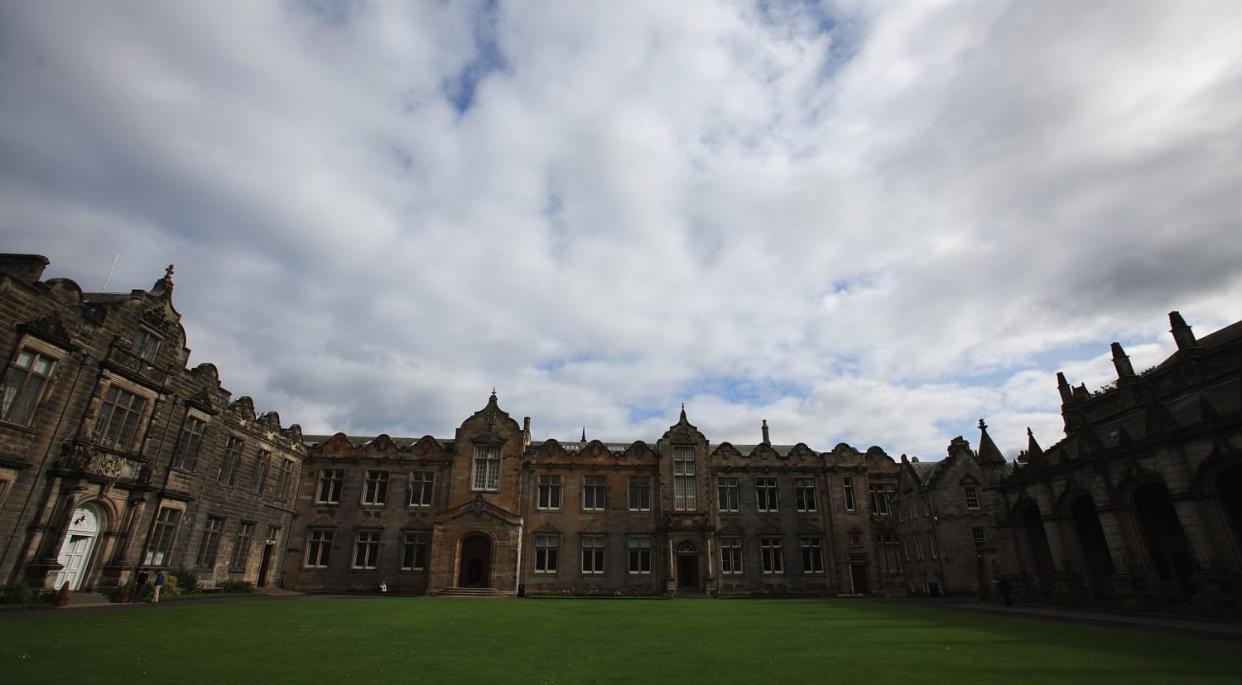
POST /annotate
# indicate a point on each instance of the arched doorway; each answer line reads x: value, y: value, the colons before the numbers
x: 1037, y: 543
x: 476, y: 561
x: 1166, y: 541
x: 687, y: 565
x: 79, y: 544
x: 1229, y: 490
x: 1094, y: 547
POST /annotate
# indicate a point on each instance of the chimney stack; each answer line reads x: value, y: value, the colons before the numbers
x: 1063, y: 386
x: 766, y: 440
x: 1121, y: 362
x: 23, y: 267
x: 1182, y: 334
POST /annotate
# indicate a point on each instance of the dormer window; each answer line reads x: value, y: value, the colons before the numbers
x: 145, y: 345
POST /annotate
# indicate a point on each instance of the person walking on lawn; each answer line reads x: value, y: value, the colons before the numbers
x: 159, y: 585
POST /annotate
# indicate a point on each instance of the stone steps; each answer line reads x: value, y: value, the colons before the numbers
x: 470, y: 592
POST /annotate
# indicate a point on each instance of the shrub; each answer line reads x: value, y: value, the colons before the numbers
x: 237, y: 586
x: 16, y: 592
x: 187, y: 580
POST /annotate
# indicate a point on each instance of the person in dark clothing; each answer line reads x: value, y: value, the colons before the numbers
x: 140, y: 583
x: 1004, y: 591
x: 159, y: 585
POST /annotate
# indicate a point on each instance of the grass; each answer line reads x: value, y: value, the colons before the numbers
x: 505, y: 641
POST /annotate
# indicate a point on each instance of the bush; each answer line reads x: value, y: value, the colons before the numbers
x: 187, y: 580
x: 16, y: 592
x: 237, y: 586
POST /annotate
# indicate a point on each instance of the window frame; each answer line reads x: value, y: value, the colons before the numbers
x: 772, y: 555
x: 421, y: 489
x: 209, y: 543
x: 488, y: 458
x: 685, y: 479
x: 549, y: 492
x: 25, y: 396
x: 415, y: 549
x: 595, y: 488
x: 729, y: 492
x: 318, y: 546
x: 242, y: 543
x: 731, y: 556
x: 258, y: 479
x: 547, y: 554
x: 130, y: 425
x: 163, y: 536
x: 805, y: 499
x: 366, y: 549
x: 233, y: 448
x: 847, y: 490
x: 375, y: 489
x: 812, y: 550
x: 971, y: 491
x: 641, y: 493
x: 334, y: 479
x: 638, y: 548
x: 771, y: 486
x: 189, y: 442
x: 593, y: 548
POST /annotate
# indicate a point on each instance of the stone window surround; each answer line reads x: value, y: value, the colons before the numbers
x: 164, y: 503
x: 39, y: 346
x: 107, y: 379
x: 199, y: 415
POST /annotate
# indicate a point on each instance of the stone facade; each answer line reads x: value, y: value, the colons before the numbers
x: 673, y: 516
x: 114, y: 455
x: 1140, y: 505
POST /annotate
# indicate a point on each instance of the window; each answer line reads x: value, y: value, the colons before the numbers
x: 375, y: 490
x: 414, y: 552
x: 905, y: 550
x: 727, y: 492
x: 24, y: 385
x: 549, y: 493
x: 119, y: 415
x: 162, y: 536
x: 972, y: 497
x: 931, y: 544
x: 890, y: 557
x: 366, y: 549
x: 260, y: 471
x: 765, y: 494
x: 640, y: 494
x: 487, y: 468
x: 189, y: 443
x: 232, y: 455
x: 918, y: 548
x: 241, y: 550
x: 209, y: 543
x: 640, y: 555
x: 318, y: 548
x: 770, y: 553
x: 881, y: 495
x: 812, y: 555
x: 847, y: 485
x: 592, y: 555
x: 330, y: 481
x: 981, y: 538
x: 422, y: 487
x: 4, y: 490
x: 593, y: 491
x: 684, y: 492
x: 730, y: 556
x: 145, y: 346
x: 547, y: 548
x: 804, y: 494
x: 283, y: 480
x: 273, y: 535
x: 855, y: 539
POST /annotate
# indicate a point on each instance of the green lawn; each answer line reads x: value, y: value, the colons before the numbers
x: 744, y: 642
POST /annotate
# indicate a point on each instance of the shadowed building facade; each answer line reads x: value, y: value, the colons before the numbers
x: 115, y: 455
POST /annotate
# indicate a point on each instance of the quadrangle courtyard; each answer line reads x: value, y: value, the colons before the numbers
x: 446, y: 640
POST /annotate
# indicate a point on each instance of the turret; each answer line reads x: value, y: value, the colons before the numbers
x: 1121, y: 362
x: 1182, y: 335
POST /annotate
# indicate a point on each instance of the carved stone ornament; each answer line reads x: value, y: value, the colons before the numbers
x: 157, y: 317
x: 476, y: 505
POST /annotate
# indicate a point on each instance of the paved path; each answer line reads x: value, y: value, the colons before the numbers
x: 1159, y: 622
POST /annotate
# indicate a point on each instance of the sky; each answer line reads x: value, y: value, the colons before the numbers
x: 865, y: 222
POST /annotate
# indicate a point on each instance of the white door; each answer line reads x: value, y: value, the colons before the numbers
x: 75, y: 553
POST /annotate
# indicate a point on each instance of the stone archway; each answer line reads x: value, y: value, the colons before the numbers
x: 1167, y: 546
x: 80, y: 543
x: 475, y: 569
x: 1098, y: 561
x: 1229, y: 494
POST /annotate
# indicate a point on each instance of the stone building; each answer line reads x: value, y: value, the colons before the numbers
x: 491, y: 510
x: 1141, y: 503
x: 946, y: 520
x: 115, y: 455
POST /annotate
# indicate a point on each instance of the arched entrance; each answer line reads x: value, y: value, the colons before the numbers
x: 1037, y: 543
x: 1229, y: 490
x: 687, y: 565
x: 75, y: 551
x: 1094, y: 547
x: 1166, y: 541
x: 476, y: 561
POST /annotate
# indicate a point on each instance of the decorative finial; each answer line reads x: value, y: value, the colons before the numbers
x: 982, y: 426
x: 683, y: 413
x: 1029, y: 433
x: 584, y: 434
x: 493, y: 392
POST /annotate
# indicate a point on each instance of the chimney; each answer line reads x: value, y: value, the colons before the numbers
x: 526, y: 425
x: 1063, y: 386
x: 766, y: 440
x: 23, y: 267
x: 1182, y: 334
x: 1121, y: 362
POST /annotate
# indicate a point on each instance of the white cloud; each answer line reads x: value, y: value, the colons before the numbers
x: 863, y: 222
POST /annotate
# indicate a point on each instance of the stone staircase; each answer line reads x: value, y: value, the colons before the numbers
x: 470, y: 592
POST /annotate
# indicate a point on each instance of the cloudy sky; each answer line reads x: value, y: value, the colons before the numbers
x: 864, y: 222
